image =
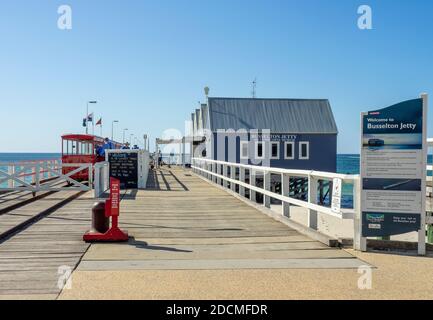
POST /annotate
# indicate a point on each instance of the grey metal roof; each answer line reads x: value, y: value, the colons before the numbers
x: 204, y: 115
x: 278, y: 115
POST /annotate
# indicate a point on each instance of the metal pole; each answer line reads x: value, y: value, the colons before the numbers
x: 87, y: 118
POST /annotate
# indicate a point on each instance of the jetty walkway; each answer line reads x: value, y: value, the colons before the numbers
x: 189, y: 240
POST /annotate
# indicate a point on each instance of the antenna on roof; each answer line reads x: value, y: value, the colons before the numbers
x: 254, y: 85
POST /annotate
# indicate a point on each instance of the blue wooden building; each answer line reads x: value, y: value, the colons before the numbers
x: 284, y: 133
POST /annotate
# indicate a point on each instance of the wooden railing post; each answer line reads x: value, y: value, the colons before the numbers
x: 242, y: 179
x: 11, y: 172
x: 285, y: 190
x: 225, y: 175
x: 359, y: 242
x: 252, y: 183
x: 218, y: 172
x: 233, y: 177
x: 214, y: 171
x: 312, y: 198
x: 267, y: 187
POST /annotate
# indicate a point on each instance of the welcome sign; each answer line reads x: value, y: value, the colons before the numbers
x: 393, y: 169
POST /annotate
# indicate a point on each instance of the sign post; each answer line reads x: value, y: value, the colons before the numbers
x: 112, y: 209
x: 393, y: 172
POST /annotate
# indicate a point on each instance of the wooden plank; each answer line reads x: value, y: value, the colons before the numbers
x: 30, y: 260
x: 200, y: 226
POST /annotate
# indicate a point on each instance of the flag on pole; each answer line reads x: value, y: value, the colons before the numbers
x: 84, y: 122
x: 99, y: 123
x: 90, y: 118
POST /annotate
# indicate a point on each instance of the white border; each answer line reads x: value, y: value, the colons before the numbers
x: 278, y: 150
x: 241, y: 144
x: 307, y: 143
x: 256, y: 150
x: 293, y: 150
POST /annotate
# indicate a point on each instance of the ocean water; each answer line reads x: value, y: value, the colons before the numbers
x: 20, y: 157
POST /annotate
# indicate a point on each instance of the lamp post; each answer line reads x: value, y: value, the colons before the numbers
x: 124, y: 130
x: 130, y: 139
x: 112, y: 129
x: 145, y: 141
x: 87, y: 115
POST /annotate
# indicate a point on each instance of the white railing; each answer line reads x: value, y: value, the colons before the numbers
x: 101, y: 181
x: 429, y: 168
x: 218, y: 172
x: 35, y: 176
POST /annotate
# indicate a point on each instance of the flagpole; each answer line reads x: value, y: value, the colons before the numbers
x: 87, y: 118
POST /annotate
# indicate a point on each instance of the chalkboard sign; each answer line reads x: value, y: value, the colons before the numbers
x: 124, y: 166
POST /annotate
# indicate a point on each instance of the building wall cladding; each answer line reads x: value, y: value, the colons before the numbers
x: 232, y: 120
x: 322, y: 151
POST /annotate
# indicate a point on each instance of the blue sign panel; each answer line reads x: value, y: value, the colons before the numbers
x: 393, y: 169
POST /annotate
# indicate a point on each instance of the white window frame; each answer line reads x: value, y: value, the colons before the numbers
x: 241, y: 145
x: 292, y: 143
x: 278, y: 150
x: 301, y: 143
x: 256, y: 151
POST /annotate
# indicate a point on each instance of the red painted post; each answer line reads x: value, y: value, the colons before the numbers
x: 112, y: 209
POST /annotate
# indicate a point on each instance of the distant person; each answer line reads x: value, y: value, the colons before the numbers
x: 135, y: 147
x: 107, y: 146
x: 100, y: 151
x: 126, y: 146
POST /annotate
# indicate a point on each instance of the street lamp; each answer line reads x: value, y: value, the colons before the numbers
x: 130, y: 139
x: 112, y: 129
x: 87, y: 115
x: 124, y: 130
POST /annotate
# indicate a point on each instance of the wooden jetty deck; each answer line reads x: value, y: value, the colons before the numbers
x: 30, y: 258
x: 180, y: 222
x: 183, y: 222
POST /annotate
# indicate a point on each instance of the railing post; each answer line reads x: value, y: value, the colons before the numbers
x: 242, y: 179
x: 225, y: 175
x: 11, y: 171
x: 312, y: 198
x: 252, y: 183
x: 219, y: 172
x: 233, y: 177
x: 359, y: 242
x: 38, y: 178
x: 34, y: 171
x: 97, y: 189
x: 285, y: 190
x: 91, y: 176
x: 267, y: 187
x: 50, y: 166
x: 213, y: 166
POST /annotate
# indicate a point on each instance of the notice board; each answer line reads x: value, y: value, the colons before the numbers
x: 124, y: 167
x: 393, y: 169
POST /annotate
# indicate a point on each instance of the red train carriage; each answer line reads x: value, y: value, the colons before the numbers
x: 83, y: 148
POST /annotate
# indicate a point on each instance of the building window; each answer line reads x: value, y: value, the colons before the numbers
x: 289, y: 150
x: 259, y: 150
x: 244, y: 149
x: 304, y: 150
x: 275, y: 150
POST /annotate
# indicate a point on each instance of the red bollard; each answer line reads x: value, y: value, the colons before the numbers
x: 112, y: 209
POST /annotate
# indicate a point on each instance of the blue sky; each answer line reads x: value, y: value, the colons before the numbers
x: 146, y: 62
